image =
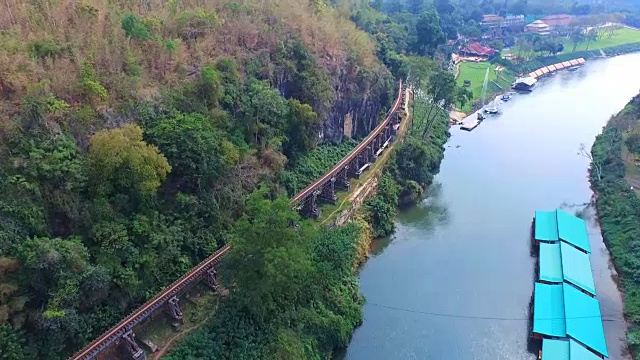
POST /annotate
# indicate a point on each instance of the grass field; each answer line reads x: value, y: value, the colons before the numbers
x: 620, y: 37
x: 476, y: 72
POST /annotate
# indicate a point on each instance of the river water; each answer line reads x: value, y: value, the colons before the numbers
x: 456, y: 279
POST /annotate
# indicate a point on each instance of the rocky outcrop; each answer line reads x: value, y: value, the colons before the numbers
x: 364, y: 97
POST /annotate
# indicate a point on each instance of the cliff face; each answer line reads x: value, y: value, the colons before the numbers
x: 363, y: 98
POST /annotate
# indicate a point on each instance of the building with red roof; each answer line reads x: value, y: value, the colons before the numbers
x: 477, y: 50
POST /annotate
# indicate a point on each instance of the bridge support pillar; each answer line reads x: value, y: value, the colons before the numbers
x: 173, y: 308
x: 328, y: 192
x: 354, y: 166
x: 369, y: 154
x: 212, y: 279
x: 377, y: 144
x: 342, y: 179
x: 310, y: 206
x: 130, y: 347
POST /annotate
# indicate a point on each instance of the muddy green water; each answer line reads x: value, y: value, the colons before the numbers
x: 455, y: 281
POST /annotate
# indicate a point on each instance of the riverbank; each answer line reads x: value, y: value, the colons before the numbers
x: 411, y: 168
x: 455, y: 279
x: 612, y: 172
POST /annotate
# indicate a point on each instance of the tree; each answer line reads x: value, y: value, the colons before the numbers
x: 441, y: 90
x: 462, y: 95
x: 270, y: 258
x: 120, y: 161
x: 134, y: 28
x: 196, y: 150
x: 304, y: 127
x: 582, y: 151
x: 519, y: 7
x: 265, y: 113
x: 415, y: 6
x: 577, y: 37
x: 11, y: 344
x: 429, y: 34
x: 443, y: 6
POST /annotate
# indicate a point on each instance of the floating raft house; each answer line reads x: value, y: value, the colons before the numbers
x: 556, y: 225
x: 561, y: 262
x: 566, y: 313
x: 562, y: 311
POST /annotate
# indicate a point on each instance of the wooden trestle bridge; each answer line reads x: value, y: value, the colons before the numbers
x: 323, y: 189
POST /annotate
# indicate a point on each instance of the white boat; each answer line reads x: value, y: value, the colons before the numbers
x: 491, y: 110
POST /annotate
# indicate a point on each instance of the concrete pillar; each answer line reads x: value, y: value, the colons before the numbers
x: 130, y: 347
x: 212, y: 279
x: 369, y: 154
x: 173, y: 308
x: 354, y: 166
x: 310, y: 206
x: 342, y: 179
x: 328, y: 192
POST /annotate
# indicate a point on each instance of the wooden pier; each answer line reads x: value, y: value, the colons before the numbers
x: 470, y: 122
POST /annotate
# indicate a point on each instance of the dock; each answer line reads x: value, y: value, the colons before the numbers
x: 470, y: 123
x: 547, y: 70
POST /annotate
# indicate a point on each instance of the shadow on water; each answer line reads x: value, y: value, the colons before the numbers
x: 429, y: 213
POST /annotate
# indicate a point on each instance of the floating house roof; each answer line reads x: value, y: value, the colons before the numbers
x: 563, y: 349
x: 553, y: 349
x: 550, y: 263
x: 573, y: 230
x: 546, y: 226
x: 548, y: 310
x: 583, y: 318
x: 529, y: 81
x: 576, y: 267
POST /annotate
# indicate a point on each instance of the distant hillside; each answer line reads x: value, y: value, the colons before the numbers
x: 136, y: 51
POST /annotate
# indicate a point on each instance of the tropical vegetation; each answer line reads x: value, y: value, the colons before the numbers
x: 614, y: 177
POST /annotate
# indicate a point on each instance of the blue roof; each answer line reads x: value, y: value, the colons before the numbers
x: 583, y: 319
x: 546, y: 226
x: 576, y: 267
x: 550, y: 263
x: 555, y: 349
x: 563, y: 349
x: 579, y: 352
x: 548, y: 310
x: 573, y: 230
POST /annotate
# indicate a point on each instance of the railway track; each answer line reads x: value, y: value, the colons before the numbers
x: 115, y: 333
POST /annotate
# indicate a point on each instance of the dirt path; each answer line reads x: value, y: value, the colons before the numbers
x: 179, y: 336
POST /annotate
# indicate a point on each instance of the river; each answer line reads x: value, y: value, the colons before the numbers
x: 456, y: 279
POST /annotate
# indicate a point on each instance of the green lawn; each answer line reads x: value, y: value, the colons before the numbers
x: 476, y: 72
x: 620, y: 37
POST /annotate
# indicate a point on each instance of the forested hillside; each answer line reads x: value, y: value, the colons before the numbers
x: 615, y: 178
x: 134, y: 138
x: 131, y: 134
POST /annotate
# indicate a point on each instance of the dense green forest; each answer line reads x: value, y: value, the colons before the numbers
x: 136, y: 139
x: 613, y: 167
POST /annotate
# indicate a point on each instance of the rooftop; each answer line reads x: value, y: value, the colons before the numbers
x: 573, y: 230
x: 538, y: 24
x: 546, y: 224
x: 563, y: 349
x: 548, y: 310
x: 550, y: 263
x: 583, y: 319
x: 576, y: 267
x: 554, y: 225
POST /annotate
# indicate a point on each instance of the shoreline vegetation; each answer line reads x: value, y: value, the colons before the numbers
x: 614, y: 176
